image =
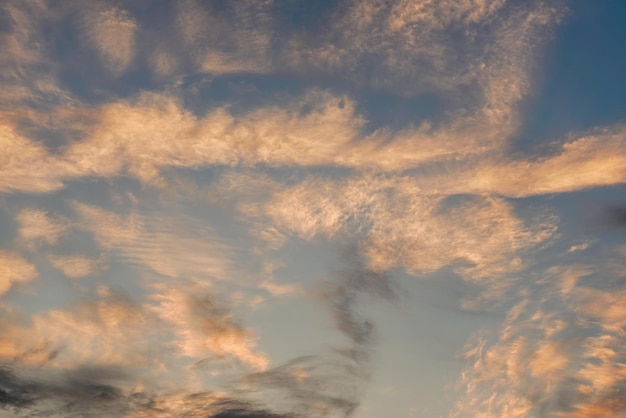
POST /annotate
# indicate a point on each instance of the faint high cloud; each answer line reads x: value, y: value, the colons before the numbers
x: 112, y: 31
x: 178, y: 248
x: 28, y: 72
x: 26, y: 165
x: 222, y: 39
x: 13, y: 270
x: 75, y: 267
x: 37, y: 226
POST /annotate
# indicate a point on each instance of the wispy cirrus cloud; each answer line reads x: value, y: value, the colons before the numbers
x: 159, y: 245
x: 231, y: 39
x: 76, y: 266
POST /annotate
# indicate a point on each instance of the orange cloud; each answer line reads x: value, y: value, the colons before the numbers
x: 37, y: 226
x: 112, y: 32
x: 75, y: 267
x: 397, y: 225
x: 204, y: 329
x: 14, y: 269
x: 177, y: 248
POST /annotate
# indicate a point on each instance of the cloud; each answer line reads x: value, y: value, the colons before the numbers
x: 320, y: 129
x: 398, y: 226
x: 323, y: 385
x: 238, y: 409
x: 328, y: 383
x: 423, y: 197
x: 112, y: 31
x: 177, y: 248
x: 151, y: 133
x: 445, y: 47
x: 234, y: 39
x: 588, y: 161
x: 615, y: 216
x: 99, y: 332
x: 155, y: 132
x: 27, y: 70
x: 557, y: 354
x: 14, y: 269
x: 36, y: 226
x: 26, y: 165
x: 75, y: 267
x: 143, y: 337
x: 204, y: 328
x: 79, y: 392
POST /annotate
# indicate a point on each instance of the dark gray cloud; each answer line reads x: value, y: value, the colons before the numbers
x: 82, y: 391
x: 238, y: 409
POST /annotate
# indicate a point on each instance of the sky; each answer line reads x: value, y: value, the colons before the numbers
x: 311, y: 209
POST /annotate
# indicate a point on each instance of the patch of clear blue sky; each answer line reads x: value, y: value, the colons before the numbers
x: 580, y: 82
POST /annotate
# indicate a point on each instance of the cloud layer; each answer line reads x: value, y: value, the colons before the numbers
x: 161, y: 166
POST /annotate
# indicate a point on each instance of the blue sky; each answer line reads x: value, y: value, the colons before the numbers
x: 273, y: 209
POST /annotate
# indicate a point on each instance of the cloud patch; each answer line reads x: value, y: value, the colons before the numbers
x: 13, y: 270
x: 112, y: 32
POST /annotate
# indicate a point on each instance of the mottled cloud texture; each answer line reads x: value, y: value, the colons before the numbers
x: 174, y: 173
